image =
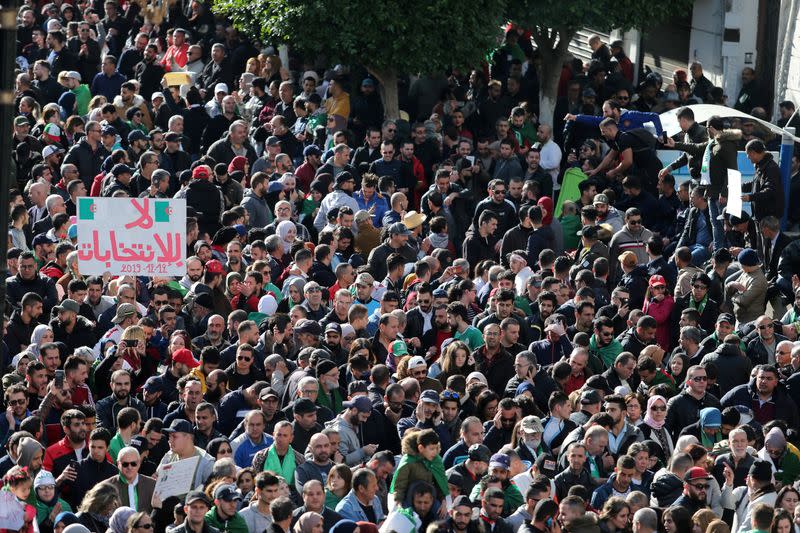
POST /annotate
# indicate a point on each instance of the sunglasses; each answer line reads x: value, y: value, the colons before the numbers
x: 126, y: 464
x: 635, y: 222
x: 700, y: 486
x: 450, y: 395
x: 659, y: 408
x: 700, y: 378
x: 144, y: 526
x: 247, y: 359
x: 499, y: 191
x: 699, y: 286
x: 766, y: 326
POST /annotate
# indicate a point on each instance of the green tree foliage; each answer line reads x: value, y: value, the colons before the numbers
x: 388, y: 38
x: 554, y: 24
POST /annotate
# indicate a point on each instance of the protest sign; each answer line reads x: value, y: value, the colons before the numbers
x: 175, y: 479
x: 132, y: 236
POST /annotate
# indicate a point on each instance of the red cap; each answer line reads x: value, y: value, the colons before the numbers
x: 694, y: 473
x: 657, y: 280
x: 215, y: 267
x: 184, y: 355
x: 201, y: 172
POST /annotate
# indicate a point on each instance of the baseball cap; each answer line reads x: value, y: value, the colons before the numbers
x: 273, y: 141
x: 657, y: 280
x: 416, y: 362
x: 74, y: 74
x: 479, y: 452
x: 500, y: 460
x: 137, y: 135
x: 589, y: 231
x: 398, y: 228
x: 547, y: 465
x: 179, y: 426
x: 108, y: 130
x: 214, y: 266
x: 124, y: 311
x: 311, y: 149
x: 172, y: 137
x: 362, y: 216
x: 185, y: 356
x: 267, y: 392
x: 21, y: 121
x: 590, y: 397
x: 398, y: 348
x: 365, y: 278
x: 151, y: 385
x: 221, y: 88
x: 157, y: 94
x: 140, y: 443
x: 42, y: 238
x: 121, y: 168
x: 197, y: 496
x: 694, y: 473
x: 532, y: 424
x: 429, y: 396
x: 362, y: 403
x: 201, y: 172
x: 600, y: 199
x: 308, y: 326
x: 51, y: 149
x: 333, y: 326
x: 69, y: 305
x: 726, y: 317
x: 227, y: 491
x: 368, y: 82
x: 204, y: 300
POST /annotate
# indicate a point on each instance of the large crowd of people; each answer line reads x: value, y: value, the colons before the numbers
x: 467, y: 319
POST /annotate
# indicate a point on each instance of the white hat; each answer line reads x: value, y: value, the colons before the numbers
x: 477, y: 375
x: 157, y: 94
x: 416, y: 362
x: 347, y: 329
x: 51, y: 149
x: 43, y: 479
x: 53, y: 25
x: 268, y: 305
x: 73, y: 74
x: 310, y: 74
x: 221, y: 88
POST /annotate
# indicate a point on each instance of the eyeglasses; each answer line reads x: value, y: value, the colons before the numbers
x: 126, y: 464
x: 766, y: 326
x: 313, y: 289
x: 21, y: 401
x: 659, y: 408
x: 698, y: 379
x: 700, y: 286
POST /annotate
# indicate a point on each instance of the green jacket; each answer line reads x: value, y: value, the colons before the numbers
x: 43, y: 511
x: 790, y: 469
x: 513, y: 498
x: 235, y: 524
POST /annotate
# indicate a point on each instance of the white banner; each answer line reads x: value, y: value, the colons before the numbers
x: 734, y: 193
x: 132, y: 236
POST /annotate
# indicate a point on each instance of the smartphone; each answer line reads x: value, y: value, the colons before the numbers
x: 132, y: 343
x: 664, y: 137
x: 623, y: 302
x: 471, y: 159
x: 73, y: 464
x: 59, y: 379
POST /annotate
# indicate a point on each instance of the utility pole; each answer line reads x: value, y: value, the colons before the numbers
x: 8, y: 66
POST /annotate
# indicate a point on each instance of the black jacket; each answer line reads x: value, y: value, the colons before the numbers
x: 757, y: 352
x: 745, y: 395
x: 499, y: 371
x: 766, y: 189
x: 207, y: 201
x: 16, y: 287
x: 83, y: 334
x: 684, y: 409
x: 18, y: 333
x: 733, y: 367
x: 690, y: 229
x: 87, y: 160
x: 781, y: 242
x: 222, y: 152
x: 708, y: 317
x: 724, y: 155
x: 515, y: 239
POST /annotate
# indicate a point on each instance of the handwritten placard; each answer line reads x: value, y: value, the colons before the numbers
x: 132, y: 236
x: 12, y: 512
x: 175, y: 479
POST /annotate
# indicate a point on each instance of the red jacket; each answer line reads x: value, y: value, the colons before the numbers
x: 180, y: 55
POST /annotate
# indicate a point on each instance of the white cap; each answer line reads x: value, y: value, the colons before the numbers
x: 221, y: 88
x: 347, y: 329
x: 310, y: 74
x: 416, y: 362
x: 73, y: 74
x: 43, y: 479
x: 477, y: 375
x: 267, y: 305
x: 53, y: 25
x: 157, y: 94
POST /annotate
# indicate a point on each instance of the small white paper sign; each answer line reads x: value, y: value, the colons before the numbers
x: 734, y: 193
x: 175, y: 479
x: 12, y: 512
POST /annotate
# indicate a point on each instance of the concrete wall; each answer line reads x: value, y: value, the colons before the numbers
x: 705, y: 43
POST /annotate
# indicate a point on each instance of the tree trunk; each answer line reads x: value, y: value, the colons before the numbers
x: 553, y: 46
x: 387, y: 79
